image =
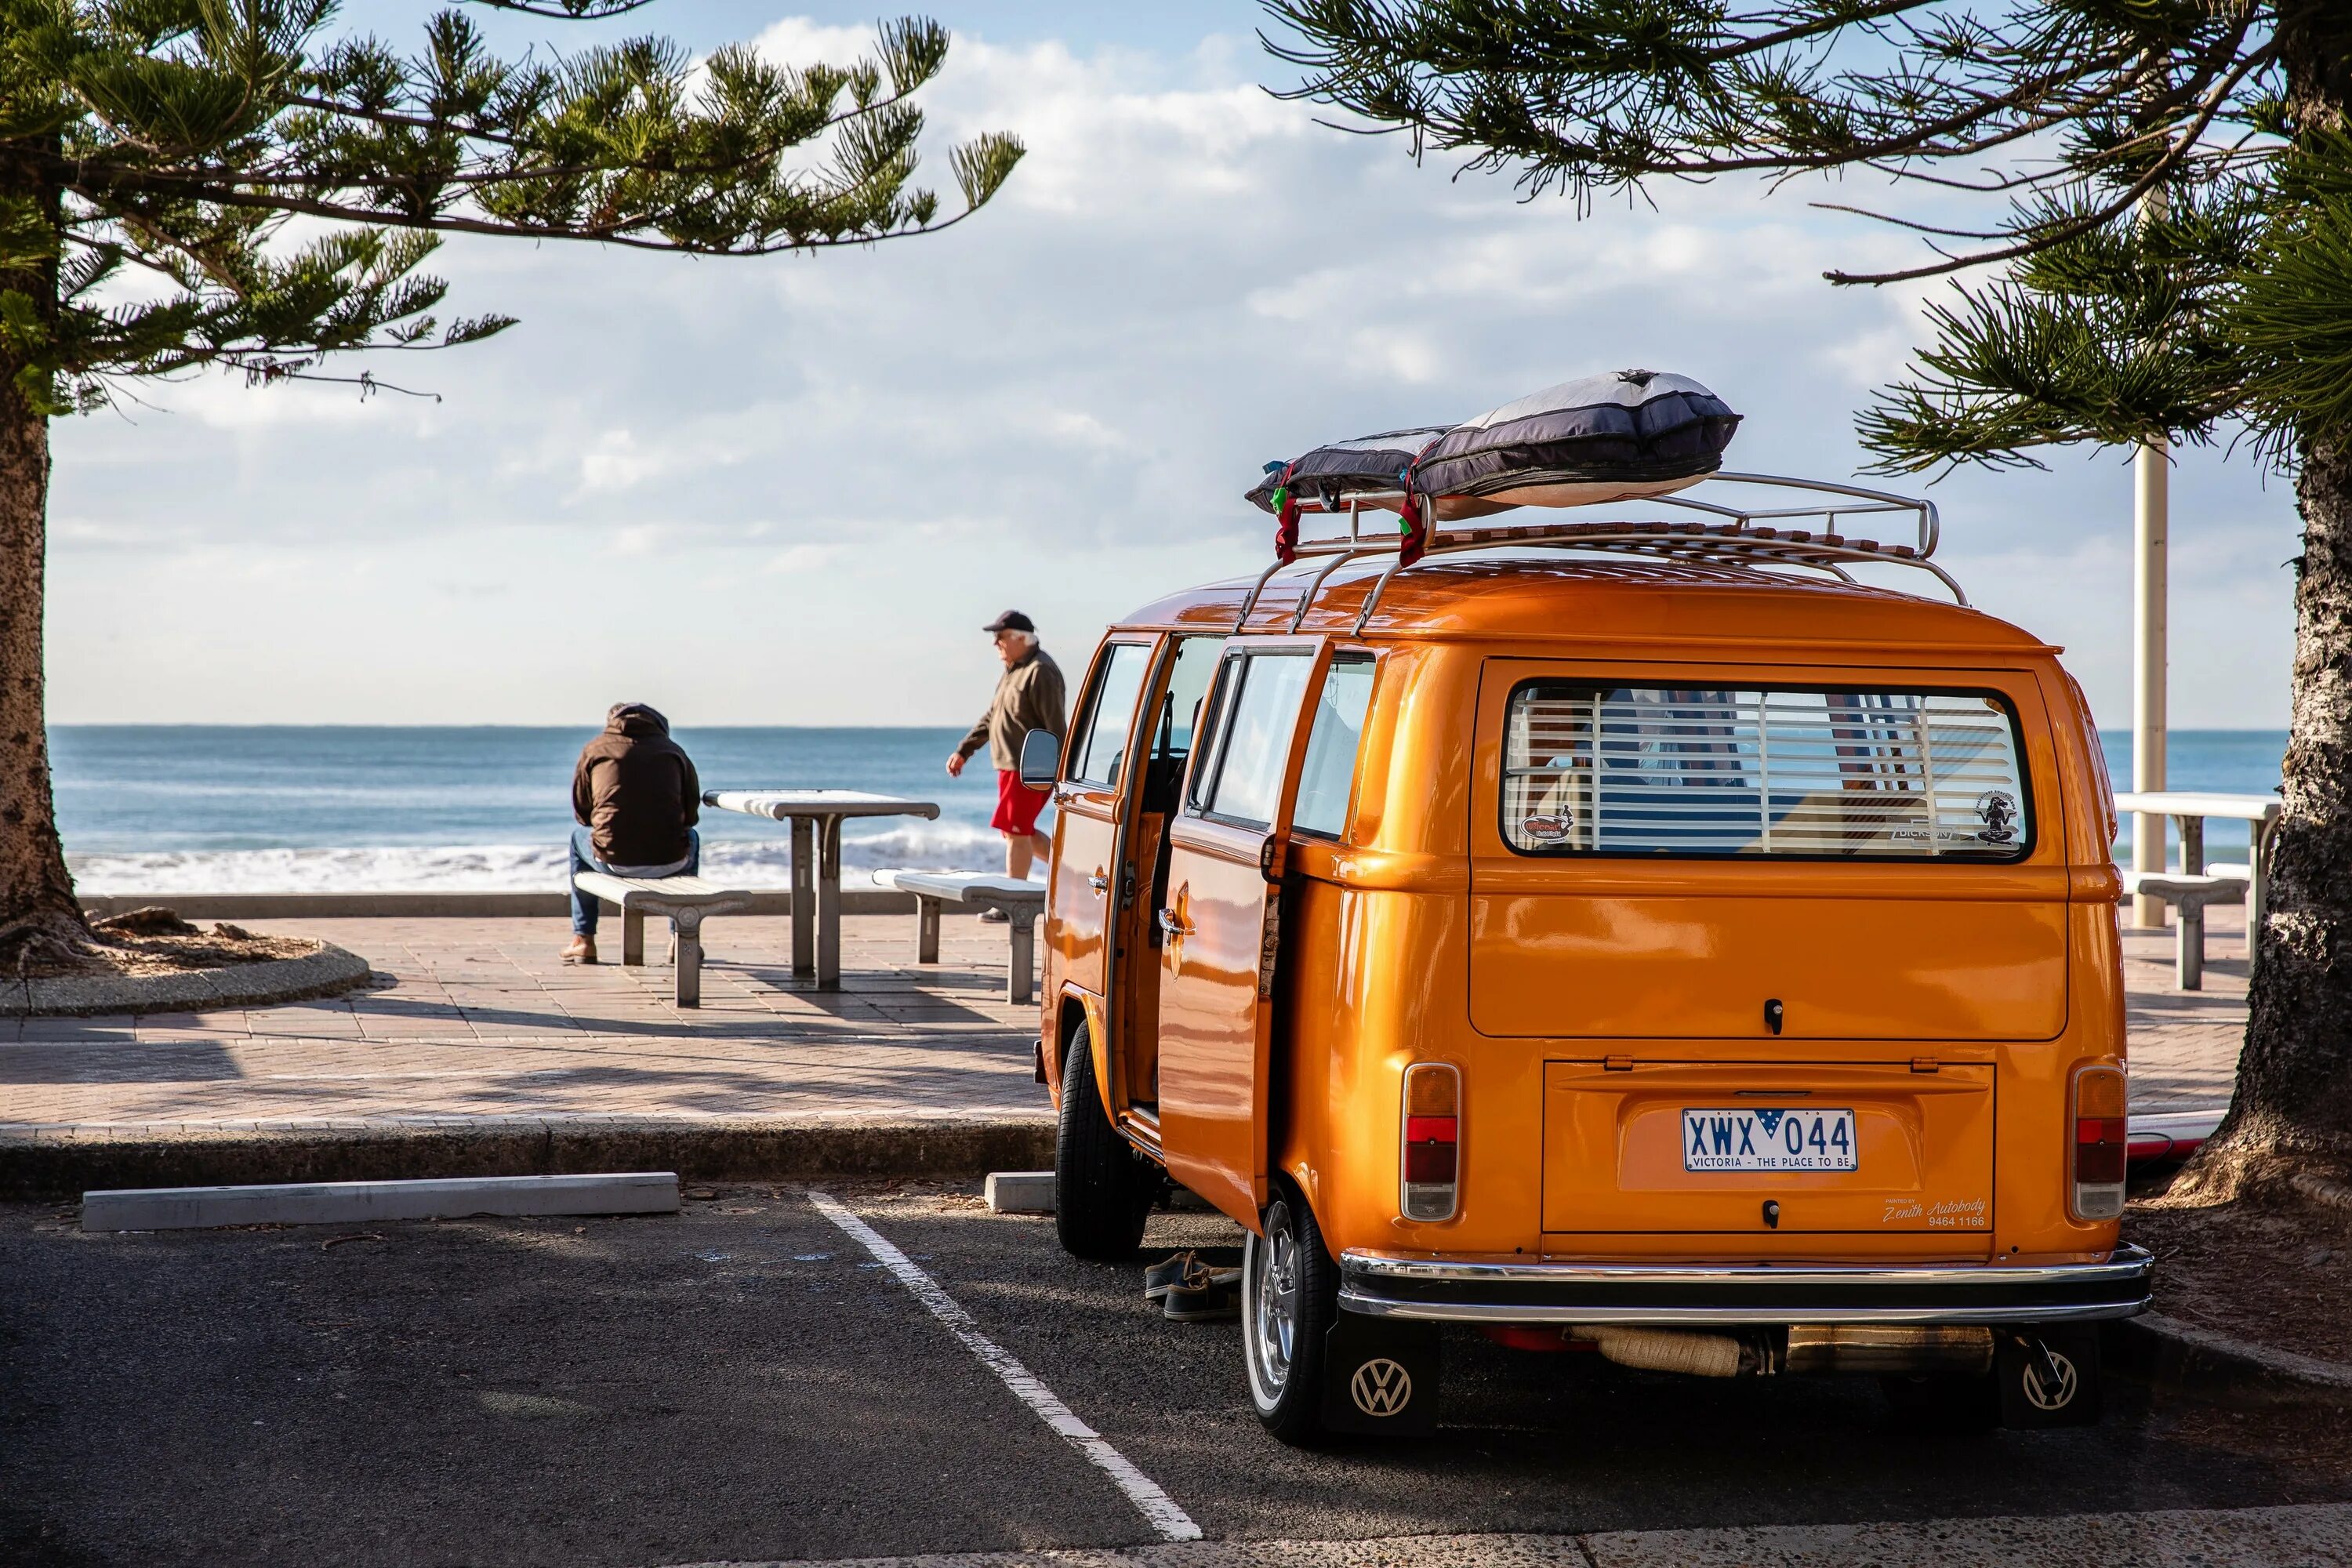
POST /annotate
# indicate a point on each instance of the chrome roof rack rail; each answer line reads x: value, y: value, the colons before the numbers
x: 1732, y: 535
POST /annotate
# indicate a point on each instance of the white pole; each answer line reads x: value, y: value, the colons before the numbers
x: 2151, y: 526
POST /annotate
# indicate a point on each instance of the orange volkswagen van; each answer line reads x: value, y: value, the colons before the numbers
x: 1653, y: 937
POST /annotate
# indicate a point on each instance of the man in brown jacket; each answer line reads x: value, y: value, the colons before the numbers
x: 636, y: 799
x: 1028, y: 696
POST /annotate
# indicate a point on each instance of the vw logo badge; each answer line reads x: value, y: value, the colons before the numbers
x: 2048, y: 1396
x: 1382, y: 1387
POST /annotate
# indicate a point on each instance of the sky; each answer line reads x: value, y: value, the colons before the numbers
x: 790, y: 490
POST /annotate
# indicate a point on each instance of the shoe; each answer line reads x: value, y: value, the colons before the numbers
x: 1166, y: 1274
x: 1205, y: 1295
x: 582, y: 950
x: 993, y: 916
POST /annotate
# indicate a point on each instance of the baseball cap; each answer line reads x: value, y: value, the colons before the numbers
x: 1011, y: 621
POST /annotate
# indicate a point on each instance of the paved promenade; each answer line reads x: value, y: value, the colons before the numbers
x: 482, y: 1024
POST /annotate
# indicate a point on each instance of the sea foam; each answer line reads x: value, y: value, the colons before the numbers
x: 508, y: 867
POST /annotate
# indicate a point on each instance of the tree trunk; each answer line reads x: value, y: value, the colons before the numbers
x: 38, y: 917
x: 2293, y: 1104
x: 2292, y: 1109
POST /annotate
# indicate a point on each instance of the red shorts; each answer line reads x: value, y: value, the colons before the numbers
x: 1017, y: 804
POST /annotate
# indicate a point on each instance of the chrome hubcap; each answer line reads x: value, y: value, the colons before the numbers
x: 1274, y: 1325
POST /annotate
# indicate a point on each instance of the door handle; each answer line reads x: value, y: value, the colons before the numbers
x: 1097, y: 881
x: 1171, y: 926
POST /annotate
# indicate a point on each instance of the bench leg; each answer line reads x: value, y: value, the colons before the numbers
x: 828, y: 904
x: 632, y: 936
x: 688, y: 935
x: 2258, y: 879
x: 1019, y: 983
x: 803, y: 898
x: 2190, y: 954
x: 927, y: 929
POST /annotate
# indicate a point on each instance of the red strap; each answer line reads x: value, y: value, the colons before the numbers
x: 1417, y: 511
x: 1286, y: 526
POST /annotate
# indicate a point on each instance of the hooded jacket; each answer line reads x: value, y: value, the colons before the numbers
x: 636, y: 790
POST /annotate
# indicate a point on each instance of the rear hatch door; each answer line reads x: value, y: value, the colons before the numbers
x: 1677, y: 853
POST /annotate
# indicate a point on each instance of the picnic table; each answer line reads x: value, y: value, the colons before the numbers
x: 2188, y: 810
x: 816, y: 815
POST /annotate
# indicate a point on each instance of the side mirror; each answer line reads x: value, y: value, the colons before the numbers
x: 1041, y: 758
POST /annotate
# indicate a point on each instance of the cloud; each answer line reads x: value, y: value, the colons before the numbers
x: 1057, y: 402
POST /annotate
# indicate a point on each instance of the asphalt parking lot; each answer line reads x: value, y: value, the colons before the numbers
x: 745, y: 1382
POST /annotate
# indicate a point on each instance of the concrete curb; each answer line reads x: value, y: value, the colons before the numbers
x: 64, y: 1166
x: 322, y: 973
x: 363, y: 1203
x: 429, y: 905
x: 2180, y: 1359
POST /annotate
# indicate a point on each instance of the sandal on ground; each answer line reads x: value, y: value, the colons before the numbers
x: 993, y: 916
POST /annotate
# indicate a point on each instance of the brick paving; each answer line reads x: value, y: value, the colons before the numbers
x: 484, y: 1026
x: 2184, y: 1044
x: 484, y: 1023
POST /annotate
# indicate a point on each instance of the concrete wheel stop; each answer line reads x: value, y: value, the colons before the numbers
x: 346, y: 1203
x: 326, y: 973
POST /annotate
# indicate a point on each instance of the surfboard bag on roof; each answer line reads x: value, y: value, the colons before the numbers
x: 1331, y: 474
x: 1599, y: 438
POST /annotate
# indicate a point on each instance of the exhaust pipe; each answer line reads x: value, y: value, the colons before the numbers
x: 1669, y: 1350
x: 1881, y: 1348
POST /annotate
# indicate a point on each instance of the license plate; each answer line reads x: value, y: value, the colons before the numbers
x: 1768, y: 1139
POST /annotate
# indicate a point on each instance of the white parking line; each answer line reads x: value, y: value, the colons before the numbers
x: 1172, y: 1522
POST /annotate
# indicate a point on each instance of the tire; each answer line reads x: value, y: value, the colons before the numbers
x: 1290, y: 1298
x: 1102, y: 1187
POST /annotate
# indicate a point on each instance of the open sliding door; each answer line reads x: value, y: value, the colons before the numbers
x: 1220, y: 925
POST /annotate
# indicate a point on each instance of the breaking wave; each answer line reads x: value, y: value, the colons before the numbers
x: 508, y: 867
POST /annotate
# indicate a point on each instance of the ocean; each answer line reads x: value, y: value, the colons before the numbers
x: 219, y: 809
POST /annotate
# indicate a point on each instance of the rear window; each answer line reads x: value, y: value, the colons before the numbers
x: 1786, y: 773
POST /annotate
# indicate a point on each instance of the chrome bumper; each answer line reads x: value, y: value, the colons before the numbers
x: 1521, y: 1291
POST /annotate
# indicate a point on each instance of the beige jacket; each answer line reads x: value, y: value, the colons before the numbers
x: 1028, y: 696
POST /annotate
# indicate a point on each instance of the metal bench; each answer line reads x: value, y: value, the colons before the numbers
x: 2188, y: 893
x: 1022, y: 903
x: 687, y: 901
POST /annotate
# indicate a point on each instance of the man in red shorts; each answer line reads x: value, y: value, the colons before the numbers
x: 1028, y: 696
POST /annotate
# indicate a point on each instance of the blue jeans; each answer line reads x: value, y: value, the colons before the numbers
x: 584, y: 859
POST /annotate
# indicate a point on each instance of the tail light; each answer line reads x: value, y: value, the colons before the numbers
x: 2101, y: 1143
x: 1432, y: 1141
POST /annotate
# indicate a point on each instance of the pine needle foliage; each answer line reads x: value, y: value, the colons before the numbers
x: 2153, y: 197
x: 250, y: 184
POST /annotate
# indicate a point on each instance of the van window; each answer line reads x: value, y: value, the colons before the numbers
x: 1100, y: 754
x: 1329, y: 771
x: 1188, y: 683
x: 1806, y: 774
x: 1257, y: 714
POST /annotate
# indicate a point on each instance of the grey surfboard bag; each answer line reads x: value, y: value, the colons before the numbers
x: 1332, y: 473
x: 1615, y: 437
x: 1598, y: 438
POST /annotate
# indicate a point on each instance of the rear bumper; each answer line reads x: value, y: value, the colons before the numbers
x: 1522, y: 1291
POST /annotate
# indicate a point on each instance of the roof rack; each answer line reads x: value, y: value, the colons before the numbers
x: 1738, y: 535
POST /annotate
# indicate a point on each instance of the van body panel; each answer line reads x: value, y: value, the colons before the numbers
x: 1212, y: 1039
x: 1843, y: 969
x: 1615, y: 1150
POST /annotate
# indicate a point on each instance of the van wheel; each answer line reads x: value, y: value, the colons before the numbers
x: 1290, y: 1297
x: 1102, y: 1188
